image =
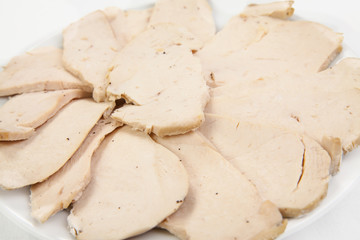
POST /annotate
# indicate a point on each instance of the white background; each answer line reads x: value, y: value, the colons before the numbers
x: 23, y: 23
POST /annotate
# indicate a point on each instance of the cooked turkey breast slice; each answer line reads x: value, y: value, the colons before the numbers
x: 35, y: 159
x: 222, y: 203
x: 89, y: 48
x: 257, y: 47
x: 290, y: 170
x: 127, y: 24
x: 67, y: 184
x: 159, y: 75
x: 322, y: 105
x: 282, y: 10
x: 23, y: 113
x: 195, y: 15
x: 38, y: 70
x: 136, y: 184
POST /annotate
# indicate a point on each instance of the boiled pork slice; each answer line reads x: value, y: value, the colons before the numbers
x: 195, y: 15
x: 129, y: 23
x: 282, y: 10
x: 157, y: 73
x: 136, y: 183
x: 323, y: 105
x: 257, y: 47
x: 38, y: 70
x: 222, y: 203
x: 89, y: 48
x: 68, y: 183
x: 23, y: 113
x: 33, y: 160
x: 289, y: 169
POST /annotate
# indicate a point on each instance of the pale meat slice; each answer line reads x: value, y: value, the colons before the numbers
x: 322, y: 105
x: 290, y: 170
x: 21, y: 114
x: 127, y: 24
x: 282, y: 10
x: 136, y: 183
x: 68, y: 183
x: 222, y: 203
x: 89, y: 48
x: 33, y: 160
x: 38, y: 70
x: 257, y: 47
x: 195, y: 15
x: 158, y: 74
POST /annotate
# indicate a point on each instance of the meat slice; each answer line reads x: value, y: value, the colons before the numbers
x: 290, y: 170
x: 23, y: 113
x: 158, y: 74
x: 33, y: 160
x: 257, y: 47
x: 127, y: 24
x: 38, y: 70
x: 282, y: 10
x: 136, y: 184
x: 222, y: 203
x: 195, y: 15
x: 323, y: 105
x: 89, y: 48
x: 67, y: 184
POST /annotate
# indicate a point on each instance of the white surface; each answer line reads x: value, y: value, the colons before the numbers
x: 24, y: 23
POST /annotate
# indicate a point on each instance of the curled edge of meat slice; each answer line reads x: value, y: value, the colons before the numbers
x: 289, y: 169
x: 281, y: 10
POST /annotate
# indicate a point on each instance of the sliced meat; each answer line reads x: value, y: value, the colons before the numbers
x: 290, y: 170
x: 23, y: 113
x: 195, y: 15
x: 89, y: 48
x: 257, y: 47
x: 222, y: 203
x: 282, y: 10
x: 67, y: 184
x: 136, y: 184
x: 158, y: 74
x: 127, y: 24
x: 33, y: 160
x: 38, y: 70
x: 323, y: 105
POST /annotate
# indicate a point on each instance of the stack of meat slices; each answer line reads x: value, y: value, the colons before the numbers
x: 149, y: 118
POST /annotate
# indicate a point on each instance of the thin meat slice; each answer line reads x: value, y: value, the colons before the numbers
x: 38, y: 70
x: 282, y: 10
x: 127, y: 24
x: 222, y: 203
x: 33, y: 160
x: 68, y: 183
x: 158, y: 74
x: 323, y: 105
x: 23, y: 113
x: 258, y: 47
x: 289, y: 169
x: 89, y: 48
x: 136, y: 184
x: 195, y: 15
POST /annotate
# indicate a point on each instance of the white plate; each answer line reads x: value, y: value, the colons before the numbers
x: 15, y: 204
